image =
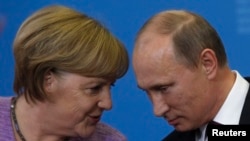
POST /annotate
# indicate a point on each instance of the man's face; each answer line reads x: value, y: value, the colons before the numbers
x: 179, y: 94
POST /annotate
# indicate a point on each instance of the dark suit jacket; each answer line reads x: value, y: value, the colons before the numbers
x: 190, y: 135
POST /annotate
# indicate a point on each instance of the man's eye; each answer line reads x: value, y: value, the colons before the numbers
x: 164, y: 89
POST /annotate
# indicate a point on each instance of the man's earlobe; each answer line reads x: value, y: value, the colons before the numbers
x: 209, y: 62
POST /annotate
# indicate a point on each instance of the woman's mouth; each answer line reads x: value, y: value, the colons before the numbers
x: 95, y: 119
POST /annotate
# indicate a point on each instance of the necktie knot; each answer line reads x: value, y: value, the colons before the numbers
x: 214, y: 123
x: 203, y: 132
x: 210, y: 126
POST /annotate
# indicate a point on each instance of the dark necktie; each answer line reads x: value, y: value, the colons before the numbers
x: 211, y: 125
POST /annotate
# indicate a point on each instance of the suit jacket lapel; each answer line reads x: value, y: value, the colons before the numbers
x: 245, y: 114
x: 181, y: 136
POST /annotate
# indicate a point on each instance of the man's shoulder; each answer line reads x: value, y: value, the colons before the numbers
x: 247, y: 78
x: 180, y: 136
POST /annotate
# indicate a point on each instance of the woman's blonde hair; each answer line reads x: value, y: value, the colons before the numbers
x: 59, y: 38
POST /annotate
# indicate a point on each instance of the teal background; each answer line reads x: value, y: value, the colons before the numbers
x: 132, y: 111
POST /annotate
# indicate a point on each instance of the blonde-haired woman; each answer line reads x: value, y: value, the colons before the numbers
x: 65, y: 64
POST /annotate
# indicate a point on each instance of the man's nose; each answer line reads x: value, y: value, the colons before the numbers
x: 160, y: 106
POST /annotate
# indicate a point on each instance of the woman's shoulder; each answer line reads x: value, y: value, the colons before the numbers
x: 105, y: 129
x: 5, y: 102
x: 6, y: 131
x: 105, y: 132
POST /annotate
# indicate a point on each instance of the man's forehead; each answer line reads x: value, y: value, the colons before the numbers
x: 150, y: 42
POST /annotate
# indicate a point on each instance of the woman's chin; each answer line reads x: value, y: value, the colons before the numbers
x: 87, y: 131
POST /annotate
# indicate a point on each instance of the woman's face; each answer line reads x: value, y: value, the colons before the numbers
x: 77, y: 102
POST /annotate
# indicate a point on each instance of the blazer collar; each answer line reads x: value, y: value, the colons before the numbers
x: 245, y: 114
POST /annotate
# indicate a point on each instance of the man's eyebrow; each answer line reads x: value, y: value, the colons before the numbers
x: 151, y: 87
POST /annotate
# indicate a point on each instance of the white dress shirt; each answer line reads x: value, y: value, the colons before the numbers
x: 232, y: 106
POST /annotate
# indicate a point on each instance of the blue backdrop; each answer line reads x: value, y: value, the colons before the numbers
x: 132, y: 112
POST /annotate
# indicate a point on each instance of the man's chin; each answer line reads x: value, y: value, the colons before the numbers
x: 181, y: 128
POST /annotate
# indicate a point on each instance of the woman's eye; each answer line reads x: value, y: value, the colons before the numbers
x: 99, y: 88
x: 112, y: 85
x: 96, y: 88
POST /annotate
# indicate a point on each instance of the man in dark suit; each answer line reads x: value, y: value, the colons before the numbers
x: 180, y: 61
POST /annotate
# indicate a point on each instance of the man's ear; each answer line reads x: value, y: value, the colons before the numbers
x: 209, y: 62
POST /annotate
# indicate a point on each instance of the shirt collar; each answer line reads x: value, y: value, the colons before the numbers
x: 234, y: 102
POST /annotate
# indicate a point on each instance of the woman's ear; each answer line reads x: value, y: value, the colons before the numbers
x: 209, y: 62
x: 49, y: 80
